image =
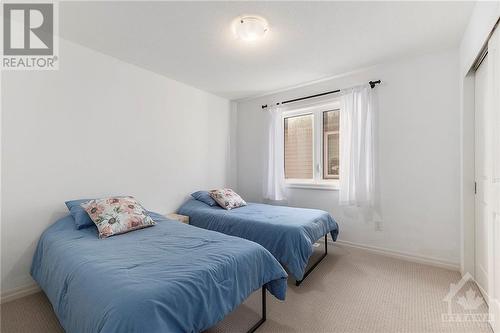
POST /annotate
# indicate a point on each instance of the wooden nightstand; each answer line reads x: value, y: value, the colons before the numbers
x: 178, y: 217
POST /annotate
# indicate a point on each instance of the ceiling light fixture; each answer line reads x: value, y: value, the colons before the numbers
x: 250, y: 28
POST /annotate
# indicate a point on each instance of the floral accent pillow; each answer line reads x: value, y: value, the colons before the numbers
x: 227, y: 198
x: 117, y: 215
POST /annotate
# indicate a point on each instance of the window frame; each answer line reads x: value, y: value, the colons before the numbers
x: 317, y: 181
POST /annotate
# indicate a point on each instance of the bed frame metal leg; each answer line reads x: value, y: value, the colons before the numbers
x: 264, y: 312
x: 298, y: 282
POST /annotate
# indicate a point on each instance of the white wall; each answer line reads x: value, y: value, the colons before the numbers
x: 97, y: 127
x: 418, y: 134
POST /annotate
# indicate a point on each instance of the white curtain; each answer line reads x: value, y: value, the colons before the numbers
x: 274, y: 188
x: 356, y: 147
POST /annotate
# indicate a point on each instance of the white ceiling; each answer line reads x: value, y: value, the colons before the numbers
x: 192, y: 42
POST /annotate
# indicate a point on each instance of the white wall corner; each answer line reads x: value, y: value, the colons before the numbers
x: 232, y: 161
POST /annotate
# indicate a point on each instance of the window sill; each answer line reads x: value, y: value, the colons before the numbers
x: 315, y: 186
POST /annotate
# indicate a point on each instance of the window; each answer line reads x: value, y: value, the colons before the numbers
x: 331, y: 144
x: 311, y: 146
x: 299, y: 147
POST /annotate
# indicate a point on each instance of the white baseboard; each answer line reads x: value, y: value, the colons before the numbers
x: 401, y: 255
x: 13, y: 294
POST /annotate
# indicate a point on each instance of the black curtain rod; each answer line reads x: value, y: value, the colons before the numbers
x: 372, y: 84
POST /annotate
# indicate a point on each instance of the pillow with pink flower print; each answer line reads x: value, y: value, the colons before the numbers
x: 117, y: 215
x: 227, y: 198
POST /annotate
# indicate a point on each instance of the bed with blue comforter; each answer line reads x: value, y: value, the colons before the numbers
x: 170, y: 277
x: 287, y: 232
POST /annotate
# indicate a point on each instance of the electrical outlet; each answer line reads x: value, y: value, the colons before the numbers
x: 379, y: 226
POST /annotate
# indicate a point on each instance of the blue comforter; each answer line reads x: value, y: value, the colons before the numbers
x: 287, y: 232
x: 170, y: 277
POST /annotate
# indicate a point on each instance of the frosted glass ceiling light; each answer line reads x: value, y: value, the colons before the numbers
x: 250, y: 28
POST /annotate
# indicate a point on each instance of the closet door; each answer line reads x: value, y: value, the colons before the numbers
x: 483, y: 176
x: 494, y: 239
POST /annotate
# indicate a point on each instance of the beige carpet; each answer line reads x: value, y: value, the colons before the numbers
x: 350, y: 291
